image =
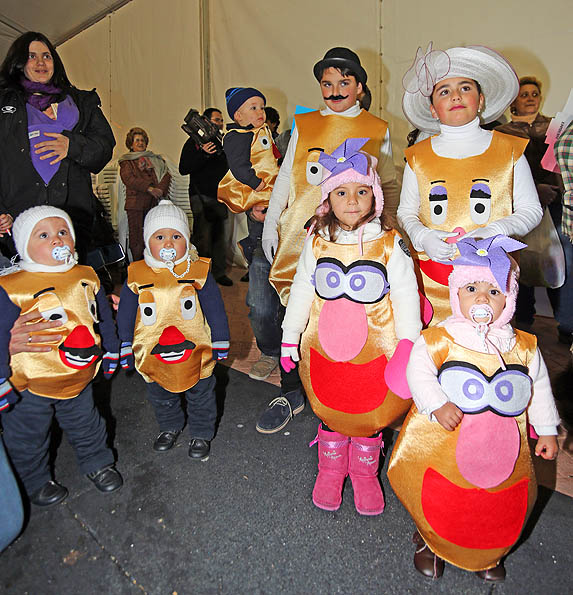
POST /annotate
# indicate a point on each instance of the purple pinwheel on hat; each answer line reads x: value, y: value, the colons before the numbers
x: 346, y: 156
x: 491, y: 253
x: 348, y: 164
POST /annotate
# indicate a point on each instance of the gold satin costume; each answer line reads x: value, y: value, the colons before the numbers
x: 460, y: 195
x: 348, y: 341
x: 70, y: 297
x: 240, y: 197
x: 468, y: 525
x: 316, y: 133
x: 172, y: 340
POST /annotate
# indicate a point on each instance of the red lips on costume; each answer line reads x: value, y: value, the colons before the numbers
x: 79, y: 350
x: 172, y: 347
x: 483, y: 520
x: 437, y: 271
x: 364, y: 388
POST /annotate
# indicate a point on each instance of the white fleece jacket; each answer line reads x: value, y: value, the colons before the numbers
x: 401, y: 278
x: 428, y: 395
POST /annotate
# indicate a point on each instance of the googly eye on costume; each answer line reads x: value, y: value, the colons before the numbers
x: 188, y: 307
x: 314, y: 172
x: 364, y: 281
x: 507, y: 392
x: 480, y: 203
x: 168, y: 254
x: 51, y: 308
x: 438, y: 204
x: 147, y: 308
x: 62, y: 253
x: 480, y: 311
x: 91, y: 302
x: 265, y: 141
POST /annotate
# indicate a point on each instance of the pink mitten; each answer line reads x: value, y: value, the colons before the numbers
x: 289, y: 355
x: 395, y: 372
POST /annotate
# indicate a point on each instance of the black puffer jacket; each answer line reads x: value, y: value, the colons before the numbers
x: 91, y: 147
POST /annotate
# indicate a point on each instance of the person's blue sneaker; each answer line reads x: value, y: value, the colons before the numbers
x: 280, y: 411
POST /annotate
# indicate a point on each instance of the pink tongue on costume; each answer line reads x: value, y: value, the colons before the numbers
x: 488, y: 446
x: 342, y: 329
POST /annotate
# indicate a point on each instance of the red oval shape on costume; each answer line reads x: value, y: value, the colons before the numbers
x: 364, y: 386
x: 474, y: 518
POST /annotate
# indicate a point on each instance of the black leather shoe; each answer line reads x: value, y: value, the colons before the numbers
x: 492, y: 575
x: 107, y: 479
x: 166, y: 440
x: 199, y: 449
x: 224, y: 280
x: 50, y: 493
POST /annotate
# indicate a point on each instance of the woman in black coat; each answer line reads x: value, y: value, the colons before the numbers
x: 52, y: 136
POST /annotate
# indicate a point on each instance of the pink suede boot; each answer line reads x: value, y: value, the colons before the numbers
x: 332, y: 469
x: 363, y: 467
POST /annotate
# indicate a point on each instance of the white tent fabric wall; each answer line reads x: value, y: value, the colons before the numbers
x: 145, y: 59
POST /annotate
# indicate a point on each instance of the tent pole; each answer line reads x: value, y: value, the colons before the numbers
x: 205, y: 53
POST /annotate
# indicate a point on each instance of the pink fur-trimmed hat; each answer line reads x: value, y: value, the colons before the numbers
x: 486, y: 260
x: 348, y: 164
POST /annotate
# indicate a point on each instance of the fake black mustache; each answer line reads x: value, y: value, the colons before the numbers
x: 335, y: 97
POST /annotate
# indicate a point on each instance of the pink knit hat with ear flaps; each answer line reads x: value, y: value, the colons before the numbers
x: 486, y: 260
x: 348, y: 164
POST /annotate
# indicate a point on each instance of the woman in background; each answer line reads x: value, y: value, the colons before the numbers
x: 146, y: 180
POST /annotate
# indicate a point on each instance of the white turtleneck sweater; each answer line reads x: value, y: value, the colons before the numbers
x: 459, y: 142
x: 401, y: 278
x: 281, y: 189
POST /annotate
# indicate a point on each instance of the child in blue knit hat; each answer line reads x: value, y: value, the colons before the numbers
x: 250, y: 152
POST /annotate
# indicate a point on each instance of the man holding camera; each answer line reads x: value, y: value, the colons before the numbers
x: 206, y: 165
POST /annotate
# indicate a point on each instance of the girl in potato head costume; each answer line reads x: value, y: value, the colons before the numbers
x: 469, y: 483
x: 464, y: 179
x: 355, y: 303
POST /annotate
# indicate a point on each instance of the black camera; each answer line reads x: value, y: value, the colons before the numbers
x: 202, y: 130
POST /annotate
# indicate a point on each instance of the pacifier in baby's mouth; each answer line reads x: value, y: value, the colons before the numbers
x: 62, y: 253
x: 167, y: 254
x: 481, y: 314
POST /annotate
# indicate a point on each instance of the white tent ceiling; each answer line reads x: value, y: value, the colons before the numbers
x: 58, y: 19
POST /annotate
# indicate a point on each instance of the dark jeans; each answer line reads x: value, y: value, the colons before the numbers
x: 201, y: 408
x: 11, y: 512
x: 561, y: 298
x: 266, y: 312
x: 209, y: 231
x: 27, y: 431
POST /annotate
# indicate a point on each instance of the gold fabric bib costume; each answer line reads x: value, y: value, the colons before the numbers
x: 171, y: 340
x: 70, y: 297
x: 350, y: 337
x: 315, y: 133
x: 470, y: 491
x: 240, y: 197
x: 460, y: 195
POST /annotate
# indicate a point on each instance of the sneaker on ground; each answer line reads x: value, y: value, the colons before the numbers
x: 262, y: 369
x: 280, y: 411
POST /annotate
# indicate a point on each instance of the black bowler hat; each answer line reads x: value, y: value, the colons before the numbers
x: 341, y: 58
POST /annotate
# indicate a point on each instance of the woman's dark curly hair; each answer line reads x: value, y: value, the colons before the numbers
x: 12, y: 69
x: 132, y: 134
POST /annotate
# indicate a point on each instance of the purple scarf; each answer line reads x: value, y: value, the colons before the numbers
x: 47, y: 93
